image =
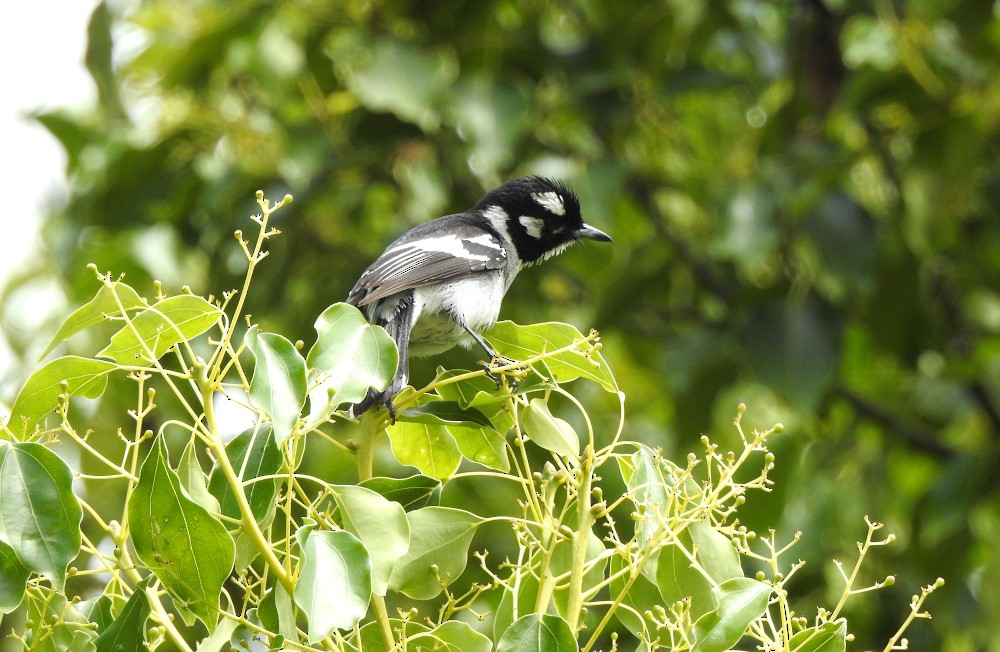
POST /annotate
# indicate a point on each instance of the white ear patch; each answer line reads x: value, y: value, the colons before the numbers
x: 533, y: 225
x: 550, y: 201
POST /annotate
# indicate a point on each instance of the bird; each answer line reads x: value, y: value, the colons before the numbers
x: 442, y: 282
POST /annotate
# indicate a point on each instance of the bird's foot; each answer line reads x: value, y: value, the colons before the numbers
x: 497, y: 377
x: 373, y: 398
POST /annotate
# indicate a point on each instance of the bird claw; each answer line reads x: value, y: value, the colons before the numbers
x: 500, y: 361
x: 374, y: 398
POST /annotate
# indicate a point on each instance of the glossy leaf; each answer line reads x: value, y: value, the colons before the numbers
x: 715, y: 552
x: 526, y: 594
x: 159, y: 327
x: 13, y: 576
x: 40, y: 393
x: 439, y: 538
x: 39, y: 514
x: 455, y: 636
x: 646, y: 487
x: 526, y: 342
x: 431, y: 449
x: 677, y: 579
x: 220, y: 640
x: 469, y: 392
x: 98, y: 611
x: 412, y: 493
x: 350, y: 355
x: 127, y: 632
x: 828, y: 637
x: 741, y: 601
x: 279, y: 380
x: 539, y: 633
x: 100, y: 309
x: 642, y: 596
x: 65, y: 630
x: 189, y: 550
x: 381, y: 526
x: 548, y: 431
x: 193, y: 479
x: 481, y: 445
x: 277, y: 613
x: 252, y: 454
x: 446, y: 413
x: 335, y: 584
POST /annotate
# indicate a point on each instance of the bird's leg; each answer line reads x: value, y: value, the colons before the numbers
x: 495, y: 358
x: 398, y: 328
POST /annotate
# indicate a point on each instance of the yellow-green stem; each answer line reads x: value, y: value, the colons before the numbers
x: 247, y: 519
x: 365, y: 454
x: 585, y: 521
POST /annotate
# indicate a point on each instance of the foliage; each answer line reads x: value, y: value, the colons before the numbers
x: 236, y: 544
x: 802, y: 195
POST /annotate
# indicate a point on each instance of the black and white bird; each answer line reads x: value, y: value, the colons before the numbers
x: 441, y: 283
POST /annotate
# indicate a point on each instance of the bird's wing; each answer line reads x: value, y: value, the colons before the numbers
x: 428, y: 255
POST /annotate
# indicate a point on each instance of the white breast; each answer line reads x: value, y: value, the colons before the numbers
x: 475, y: 299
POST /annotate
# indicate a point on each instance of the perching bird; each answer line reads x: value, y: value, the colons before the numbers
x: 441, y: 283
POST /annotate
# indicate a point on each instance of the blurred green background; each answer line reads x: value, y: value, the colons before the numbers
x: 803, y: 197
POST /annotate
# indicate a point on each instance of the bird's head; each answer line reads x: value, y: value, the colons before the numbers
x: 540, y: 216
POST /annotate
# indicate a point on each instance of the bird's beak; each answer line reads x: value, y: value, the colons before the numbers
x: 588, y: 232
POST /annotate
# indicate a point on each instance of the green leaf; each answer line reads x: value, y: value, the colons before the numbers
x: 431, y: 449
x: 446, y: 413
x: 412, y: 493
x: 193, y: 479
x: 469, y: 392
x: 716, y: 553
x: 439, y: 537
x: 526, y: 593
x: 350, y: 355
x: 39, y: 515
x: 65, y: 630
x: 398, y: 77
x: 127, y: 632
x: 188, y: 549
x: 40, y: 394
x: 279, y: 380
x: 98, y: 611
x: 253, y: 454
x: 335, y: 584
x: 491, y: 114
x: 370, y: 638
x: 677, y: 579
x: 220, y: 638
x: 562, y: 564
x: 647, y: 488
x: 539, y: 633
x: 549, y: 432
x: 525, y: 342
x: 828, y: 637
x: 277, y: 613
x: 13, y: 577
x: 642, y: 596
x: 98, y: 310
x: 455, y: 636
x: 481, y: 445
x: 159, y: 327
x: 381, y: 526
x: 741, y: 601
